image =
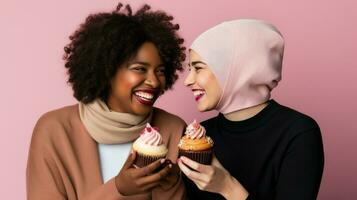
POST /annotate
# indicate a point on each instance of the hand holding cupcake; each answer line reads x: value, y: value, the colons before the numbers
x: 149, y: 146
x: 195, y: 144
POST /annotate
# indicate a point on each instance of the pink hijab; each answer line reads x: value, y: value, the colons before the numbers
x: 246, y: 57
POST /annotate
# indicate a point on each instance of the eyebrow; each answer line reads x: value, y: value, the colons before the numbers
x: 144, y: 63
x: 197, y: 62
x: 139, y: 62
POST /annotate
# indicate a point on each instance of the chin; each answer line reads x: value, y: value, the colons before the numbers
x: 143, y: 111
x: 202, y: 109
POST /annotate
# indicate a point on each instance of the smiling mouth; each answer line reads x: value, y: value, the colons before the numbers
x: 198, y: 94
x: 146, y: 97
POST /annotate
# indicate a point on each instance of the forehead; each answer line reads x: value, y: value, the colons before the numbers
x: 148, y: 53
x: 194, y: 56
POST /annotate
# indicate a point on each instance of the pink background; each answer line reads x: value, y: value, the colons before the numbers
x: 319, y: 72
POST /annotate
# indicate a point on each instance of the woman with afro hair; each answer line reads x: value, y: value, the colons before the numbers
x: 118, y: 64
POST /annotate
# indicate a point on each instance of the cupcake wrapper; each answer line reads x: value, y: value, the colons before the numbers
x: 203, y: 157
x: 143, y: 160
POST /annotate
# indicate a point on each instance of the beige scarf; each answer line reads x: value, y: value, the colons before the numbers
x: 109, y: 127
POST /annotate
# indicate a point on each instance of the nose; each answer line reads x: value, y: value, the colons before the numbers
x: 152, y: 80
x: 190, y: 79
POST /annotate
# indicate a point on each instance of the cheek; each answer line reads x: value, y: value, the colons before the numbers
x: 204, y: 81
x: 216, y: 93
x: 127, y: 82
x: 162, y: 82
x: 213, y: 89
x: 200, y: 81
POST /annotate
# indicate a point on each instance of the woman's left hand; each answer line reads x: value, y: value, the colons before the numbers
x: 212, y: 178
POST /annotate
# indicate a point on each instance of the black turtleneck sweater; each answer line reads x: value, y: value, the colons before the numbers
x: 277, y: 154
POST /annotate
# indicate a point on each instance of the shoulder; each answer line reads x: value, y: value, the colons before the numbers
x: 297, y: 126
x: 297, y: 119
x: 170, y: 125
x: 56, y: 117
x: 51, y: 125
x: 209, y: 123
x: 168, y: 119
x: 303, y: 135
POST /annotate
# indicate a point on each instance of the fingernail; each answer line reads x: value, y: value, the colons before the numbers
x: 178, y: 160
x: 162, y: 161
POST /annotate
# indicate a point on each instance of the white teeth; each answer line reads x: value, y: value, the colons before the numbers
x: 145, y: 95
x: 198, y: 93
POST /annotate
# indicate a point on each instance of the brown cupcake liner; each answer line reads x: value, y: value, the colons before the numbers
x: 143, y: 160
x: 203, y: 157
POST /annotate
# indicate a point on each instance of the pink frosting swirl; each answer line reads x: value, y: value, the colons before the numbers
x: 151, y: 136
x: 195, y: 130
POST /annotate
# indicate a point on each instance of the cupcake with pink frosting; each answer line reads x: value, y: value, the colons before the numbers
x: 149, y: 146
x: 195, y: 144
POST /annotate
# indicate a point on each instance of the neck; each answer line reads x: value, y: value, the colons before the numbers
x: 245, y: 113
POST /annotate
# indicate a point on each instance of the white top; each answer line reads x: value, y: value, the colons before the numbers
x: 112, y: 158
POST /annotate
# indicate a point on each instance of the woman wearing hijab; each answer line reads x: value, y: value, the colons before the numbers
x: 263, y: 150
x: 118, y: 64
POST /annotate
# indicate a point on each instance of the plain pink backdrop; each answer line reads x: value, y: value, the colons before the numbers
x: 318, y: 75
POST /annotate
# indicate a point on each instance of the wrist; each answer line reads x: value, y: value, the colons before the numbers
x: 234, y: 190
x: 116, y: 181
x: 117, y: 185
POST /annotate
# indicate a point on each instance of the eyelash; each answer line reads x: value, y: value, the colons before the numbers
x: 195, y: 67
x: 142, y: 69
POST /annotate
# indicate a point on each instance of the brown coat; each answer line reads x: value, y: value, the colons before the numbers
x: 63, y: 160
